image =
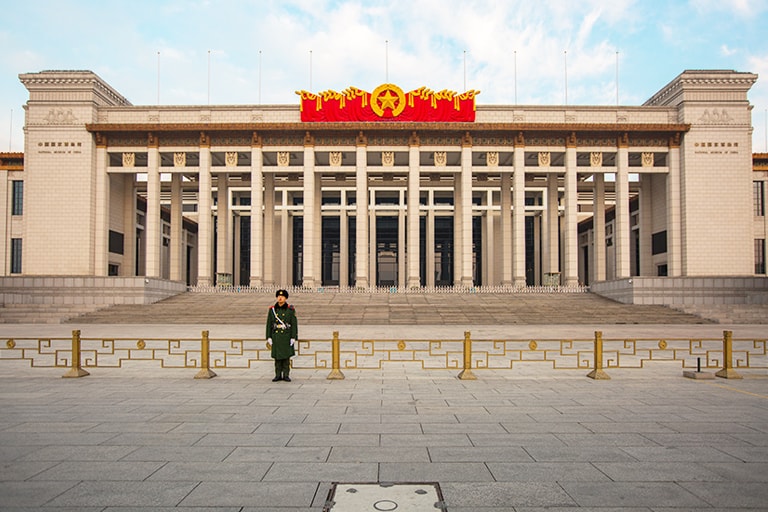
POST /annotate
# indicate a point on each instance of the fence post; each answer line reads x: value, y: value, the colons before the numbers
x: 598, y: 373
x: 466, y: 373
x: 76, y: 370
x: 728, y: 372
x: 336, y: 373
x: 205, y: 359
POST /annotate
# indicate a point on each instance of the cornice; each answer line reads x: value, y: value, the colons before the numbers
x: 388, y: 127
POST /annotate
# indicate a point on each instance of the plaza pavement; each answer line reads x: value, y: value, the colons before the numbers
x: 526, y: 439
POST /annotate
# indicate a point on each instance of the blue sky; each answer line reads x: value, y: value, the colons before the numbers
x: 262, y: 51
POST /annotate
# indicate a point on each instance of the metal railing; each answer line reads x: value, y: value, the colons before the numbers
x: 204, y: 353
x: 388, y: 290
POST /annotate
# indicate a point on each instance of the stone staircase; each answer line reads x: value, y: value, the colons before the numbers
x: 397, y: 309
x: 43, y: 313
x: 729, y: 313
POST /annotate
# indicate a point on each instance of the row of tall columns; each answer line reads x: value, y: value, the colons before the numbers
x: 512, y: 227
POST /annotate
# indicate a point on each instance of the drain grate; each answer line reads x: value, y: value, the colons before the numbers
x: 384, y: 497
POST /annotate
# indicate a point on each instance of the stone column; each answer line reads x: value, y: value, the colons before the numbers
x: 466, y: 211
x: 309, y: 278
x: 361, y: 220
x: 285, y: 255
x: 598, y: 220
x: 413, y: 213
x: 644, y: 224
x: 257, y: 216
x: 153, y: 222
x: 458, y: 227
x: 269, y: 229
x: 430, y: 244
x: 318, y: 254
x: 5, y: 227
x: 235, y: 243
x: 621, y: 223
x: 571, y: 228
x: 129, y: 225
x: 518, y: 214
x: 489, y: 251
x: 371, y: 249
x: 223, y: 247
x: 403, y: 255
x: 506, y: 229
x: 343, y: 242
x: 550, y: 226
x: 674, y: 215
x: 101, y: 235
x: 204, y: 224
x: 177, y: 231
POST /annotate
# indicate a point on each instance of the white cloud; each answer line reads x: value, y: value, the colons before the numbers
x: 426, y: 44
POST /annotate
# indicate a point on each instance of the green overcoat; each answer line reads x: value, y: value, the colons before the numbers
x: 282, y: 326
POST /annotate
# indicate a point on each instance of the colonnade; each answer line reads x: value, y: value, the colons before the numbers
x: 505, y: 253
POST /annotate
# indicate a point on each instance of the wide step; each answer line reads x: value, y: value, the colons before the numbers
x: 399, y: 309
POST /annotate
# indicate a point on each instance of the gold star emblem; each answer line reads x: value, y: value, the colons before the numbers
x: 387, y: 100
x: 388, y: 96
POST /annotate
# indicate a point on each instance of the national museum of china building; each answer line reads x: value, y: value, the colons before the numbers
x: 389, y: 188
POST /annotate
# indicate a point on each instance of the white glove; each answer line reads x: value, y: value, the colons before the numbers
x: 293, y: 341
x: 269, y: 342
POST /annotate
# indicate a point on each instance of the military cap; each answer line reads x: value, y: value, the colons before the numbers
x: 284, y: 293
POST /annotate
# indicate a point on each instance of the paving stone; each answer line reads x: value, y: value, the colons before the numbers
x: 634, y: 494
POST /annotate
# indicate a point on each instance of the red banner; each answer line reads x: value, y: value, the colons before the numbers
x: 387, y: 103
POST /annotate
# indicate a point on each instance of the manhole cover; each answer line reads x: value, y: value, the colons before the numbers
x: 385, y: 497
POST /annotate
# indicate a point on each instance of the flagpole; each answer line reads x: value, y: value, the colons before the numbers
x: 617, y: 79
x: 259, y: 77
x: 565, y: 60
x: 386, y: 61
x: 515, y: 77
x: 465, y: 70
x: 10, y: 133
x: 158, y: 78
x: 209, y: 77
x: 310, y: 70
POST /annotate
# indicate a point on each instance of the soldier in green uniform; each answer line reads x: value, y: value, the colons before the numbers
x: 282, y: 332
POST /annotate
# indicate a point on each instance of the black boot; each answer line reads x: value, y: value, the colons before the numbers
x: 277, y: 378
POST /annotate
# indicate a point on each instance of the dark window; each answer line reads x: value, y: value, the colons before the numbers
x: 659, y: 242
x: 760, y: 256
x: 116, y: 242
x: 758, y: 195
x: 16, y: 255
x: 661, y: 270
x: 18, y: 198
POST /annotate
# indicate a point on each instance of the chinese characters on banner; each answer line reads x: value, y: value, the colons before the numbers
x: 387, y: 103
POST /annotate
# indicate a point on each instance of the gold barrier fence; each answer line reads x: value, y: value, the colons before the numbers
x: 337, y: 355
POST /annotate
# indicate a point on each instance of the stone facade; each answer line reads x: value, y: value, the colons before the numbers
x: 497, y: 202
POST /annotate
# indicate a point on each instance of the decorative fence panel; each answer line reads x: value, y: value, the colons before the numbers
x: 360, y: 354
